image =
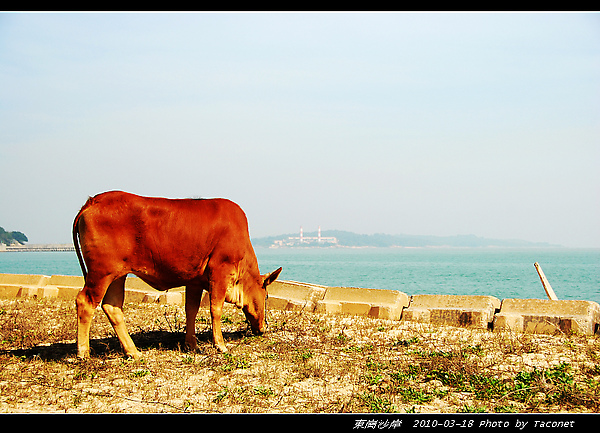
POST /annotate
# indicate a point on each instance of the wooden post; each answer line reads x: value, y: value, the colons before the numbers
x: 545, y: 283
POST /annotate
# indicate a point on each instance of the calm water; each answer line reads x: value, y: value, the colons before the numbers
x: 503, y: 273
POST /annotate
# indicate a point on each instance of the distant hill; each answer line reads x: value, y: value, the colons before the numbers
x: 9, y: 238
x: 381, y: 240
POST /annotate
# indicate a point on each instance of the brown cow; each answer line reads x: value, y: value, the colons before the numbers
x: 202, y: 244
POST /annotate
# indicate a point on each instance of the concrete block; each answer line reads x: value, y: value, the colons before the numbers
x: 355, y: 308
x: 134, y: 296
x: 291, y: 295
x: 68, y: 292
x: 65, y: 286
x: 15, y: 285
x: 135, y: 283
x: 38, y: 292
x: 329, y: 307
x: 151, y: 297
x: 9, y: 292
x: 47, y: 292
x: 174, y: 298
x: 452, y: 310
x: 376, y: 303
x: 23, y: 280
x: 205, y: 301
x: 66, y: 281
x: 27, y: 292
x: 541, y: 316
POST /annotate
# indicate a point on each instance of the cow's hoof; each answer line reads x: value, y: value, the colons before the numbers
x: 135, y: 356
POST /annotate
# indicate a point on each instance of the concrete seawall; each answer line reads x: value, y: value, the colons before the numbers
x: 483, y: 312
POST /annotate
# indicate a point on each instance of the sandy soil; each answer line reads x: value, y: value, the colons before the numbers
x: 306, y: 363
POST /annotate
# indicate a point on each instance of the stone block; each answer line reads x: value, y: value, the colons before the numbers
x: 151, y: 297
x: 15, y: 285
x: 47, y: 292
x: 67, y: 281
x: 28, y: 292
x: 174, y: 298
x: 135, y: 296
x: 355, y: 308
x: 9, y: 292
x: 135, y: 283
x: 291, y: 295
x: 65, y: 286
x: 68, y: 292
x: 452, y: 310
x: 541, y: 316
x: 376, y: 303
x: 23, y: 280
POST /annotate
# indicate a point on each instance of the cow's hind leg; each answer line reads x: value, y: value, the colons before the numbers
x: 112, y: 304
x: 85, y: 313
x: 87, y: 301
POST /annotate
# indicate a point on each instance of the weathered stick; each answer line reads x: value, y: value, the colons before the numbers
x: 545, y: 283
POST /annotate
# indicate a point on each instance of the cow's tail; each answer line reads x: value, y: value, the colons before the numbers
x: 76, y: 241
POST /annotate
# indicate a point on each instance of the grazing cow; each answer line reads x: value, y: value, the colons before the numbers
x: 202, y: 244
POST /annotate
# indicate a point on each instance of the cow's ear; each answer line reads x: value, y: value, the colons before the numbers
x: 269, y: 278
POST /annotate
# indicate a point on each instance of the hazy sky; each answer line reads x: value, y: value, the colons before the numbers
x: 398, y: 123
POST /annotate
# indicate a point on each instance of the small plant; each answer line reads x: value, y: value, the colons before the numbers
x: 454, y: 379
x: 505, y: 408
x: 263, y: 391
x: 400, y: 377
x: 473, y: 350
x: 140, y: 373
x: 412, y: 395
x: 486, y: 387
x: 233, y: 362
x: 221, y: 395
x: 77, y: 399
x: 472, y: 409
x: 304, y: 354
x: 373, y: 378
x: 377, y: 403
x: 342, y: 338
x: 406, y: 343
x: 187, y: 359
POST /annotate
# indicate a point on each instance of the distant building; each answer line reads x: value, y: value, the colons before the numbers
x: 305, y: 241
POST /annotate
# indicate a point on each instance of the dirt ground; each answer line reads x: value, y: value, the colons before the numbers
x: 305, y: 363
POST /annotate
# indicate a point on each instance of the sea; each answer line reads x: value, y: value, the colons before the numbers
x: 574, y: 274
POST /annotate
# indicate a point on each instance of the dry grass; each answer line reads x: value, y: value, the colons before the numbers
x: 306, y: 363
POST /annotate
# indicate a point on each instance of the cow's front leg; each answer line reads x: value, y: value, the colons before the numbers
x: 216, y: 311
x: 217, y: 299
x: 193, y: 296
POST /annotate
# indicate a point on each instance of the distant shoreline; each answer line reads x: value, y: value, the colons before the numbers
x: 345, y: 239
x: 425, y: 247
x: 36, y: 248
x: 69, y: 247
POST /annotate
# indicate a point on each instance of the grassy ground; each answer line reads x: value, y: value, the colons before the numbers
x: 306, y: 363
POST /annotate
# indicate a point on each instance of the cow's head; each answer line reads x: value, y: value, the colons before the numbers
x: 255, y: 301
